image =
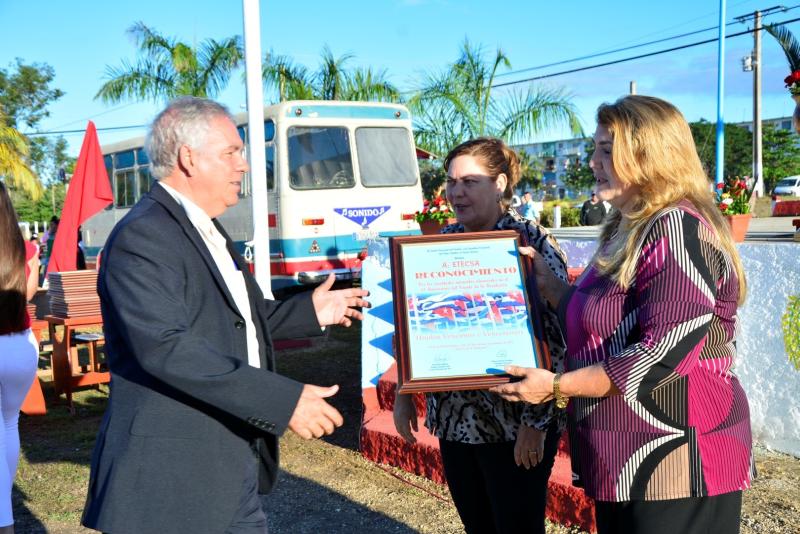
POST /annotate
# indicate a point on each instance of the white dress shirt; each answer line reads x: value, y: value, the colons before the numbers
x: 231, y: 274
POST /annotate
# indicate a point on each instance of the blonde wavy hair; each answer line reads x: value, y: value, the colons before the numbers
x: 653, y: 149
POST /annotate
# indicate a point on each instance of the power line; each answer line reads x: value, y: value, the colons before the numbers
x: 632, y: 58
x: 608, y: 52
x: 738, y: 20
x: 107, y: 129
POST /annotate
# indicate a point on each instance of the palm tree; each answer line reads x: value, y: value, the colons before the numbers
x: 14, y: 169
x: 459, y: 104
x: 169, y: 68
x: 331, y: 81
x: 291, y: 81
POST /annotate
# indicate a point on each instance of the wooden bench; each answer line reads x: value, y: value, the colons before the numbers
x: 91, y: 341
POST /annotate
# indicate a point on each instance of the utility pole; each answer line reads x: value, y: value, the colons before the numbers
x: 758, y: 168
x: 633, y: 87
x: 753, y: 62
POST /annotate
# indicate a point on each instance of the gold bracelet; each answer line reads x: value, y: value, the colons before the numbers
x: 561, y: 400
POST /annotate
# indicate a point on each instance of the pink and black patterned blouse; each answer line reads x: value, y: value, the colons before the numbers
x: 681, y: 427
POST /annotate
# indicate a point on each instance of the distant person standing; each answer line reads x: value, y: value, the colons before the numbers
x: 48, y: 238
x: 593, y: 211
x: 527, y: 209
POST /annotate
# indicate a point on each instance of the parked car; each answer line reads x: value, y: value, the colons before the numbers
x: 788, y: 186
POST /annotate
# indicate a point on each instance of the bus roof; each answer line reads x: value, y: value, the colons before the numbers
x: 299, y: 109
x: 332, y: 109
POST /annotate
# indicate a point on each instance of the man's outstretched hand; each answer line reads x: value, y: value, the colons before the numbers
x: 339, y: 306
x: 313, y: 417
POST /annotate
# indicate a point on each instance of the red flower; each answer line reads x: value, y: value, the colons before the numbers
x: 720, y: 185
x: 792, y: 78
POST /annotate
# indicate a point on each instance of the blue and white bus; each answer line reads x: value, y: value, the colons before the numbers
x: 338, y: 174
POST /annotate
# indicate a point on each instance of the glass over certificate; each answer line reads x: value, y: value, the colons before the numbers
x: 463, y: 311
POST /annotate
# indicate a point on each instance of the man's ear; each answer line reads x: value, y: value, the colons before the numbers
x: 186, y: 160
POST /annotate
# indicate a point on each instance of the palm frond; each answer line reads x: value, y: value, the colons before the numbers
x: 151, y: 43
x: 331, y: 75
x: 790, y: 45
x: 138, y: 82
x: 217, y: 60
x: 14, y: 150
x: 167, y: 68
x: 369, y: 85
x: 289, y: 80
x: 524, y: 114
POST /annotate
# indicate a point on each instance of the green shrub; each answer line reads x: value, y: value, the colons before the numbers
x: 791, y: 330
x: 569, y: 217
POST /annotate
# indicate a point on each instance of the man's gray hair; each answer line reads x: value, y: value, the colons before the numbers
x: 185, y: 121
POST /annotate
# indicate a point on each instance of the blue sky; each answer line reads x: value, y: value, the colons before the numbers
x: 406, y: 38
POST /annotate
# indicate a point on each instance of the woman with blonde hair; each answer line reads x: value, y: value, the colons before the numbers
x: 659, y: 424
x: 19, y: 352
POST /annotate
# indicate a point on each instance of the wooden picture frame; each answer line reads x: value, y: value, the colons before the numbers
x: 465, y: 305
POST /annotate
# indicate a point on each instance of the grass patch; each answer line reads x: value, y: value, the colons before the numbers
x: 56, y: 449
x: 53, y: 473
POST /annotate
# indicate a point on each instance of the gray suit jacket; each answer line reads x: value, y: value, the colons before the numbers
x: 186, y: 413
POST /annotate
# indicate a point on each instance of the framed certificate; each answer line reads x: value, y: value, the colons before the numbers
x: 464, y: 308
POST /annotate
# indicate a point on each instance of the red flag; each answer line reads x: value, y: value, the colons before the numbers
x: 89, y: 192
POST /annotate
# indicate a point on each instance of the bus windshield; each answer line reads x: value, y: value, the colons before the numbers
x: 385, y: 157
x: 319, y: 158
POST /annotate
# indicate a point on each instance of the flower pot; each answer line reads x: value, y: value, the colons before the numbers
x: 431, y: 226
x: 796, y: 114
x: 738, y: 225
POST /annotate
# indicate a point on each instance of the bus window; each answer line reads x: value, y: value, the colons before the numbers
x: 109, y: 163
x: 385, y: 157
x: 141, y: 157
x: 126, y: 188
x: 124, y: 159
x: 145, y: 181
x: 242, y: 135
x: 246, y: 187
x: 269, y: 130
x: 270, y: 157
x: 319, y: 158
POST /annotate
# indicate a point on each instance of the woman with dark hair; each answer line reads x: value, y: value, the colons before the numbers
x: 497, y: 455
x: 19, y: 352
x: 659, y: 424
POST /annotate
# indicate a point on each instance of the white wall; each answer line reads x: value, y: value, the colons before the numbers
x: 771, y: 382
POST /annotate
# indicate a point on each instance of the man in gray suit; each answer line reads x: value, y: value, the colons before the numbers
x: 190, y: 435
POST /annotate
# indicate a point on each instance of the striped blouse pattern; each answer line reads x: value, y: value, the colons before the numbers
x: 681, y: 427
x: 478, y: 416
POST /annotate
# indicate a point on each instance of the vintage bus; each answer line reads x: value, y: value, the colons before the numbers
x: 338, y: 174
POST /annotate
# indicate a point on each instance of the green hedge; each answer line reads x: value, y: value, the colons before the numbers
x: 569, y: 217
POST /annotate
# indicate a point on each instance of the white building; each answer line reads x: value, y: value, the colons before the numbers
x: 781, y: 123
x: 556, y: 157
